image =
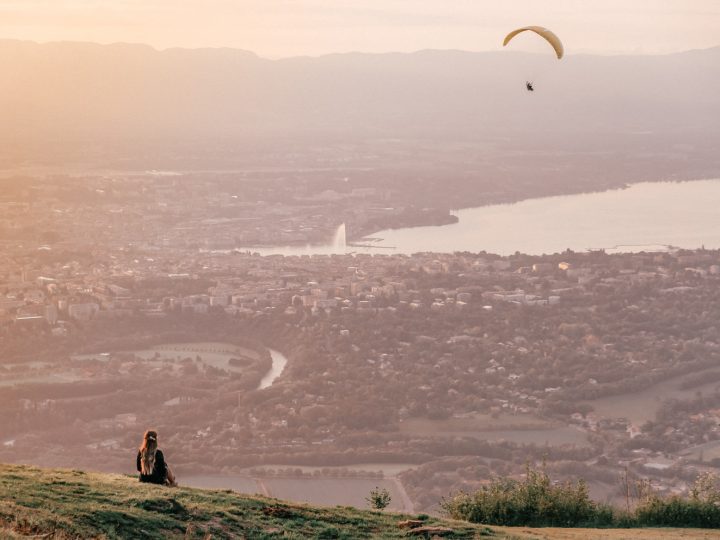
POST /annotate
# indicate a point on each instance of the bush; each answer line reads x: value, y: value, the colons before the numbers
x: 678, y: 512
x: 379, y: 499
x: 701, y: 509
x: 534, y: 501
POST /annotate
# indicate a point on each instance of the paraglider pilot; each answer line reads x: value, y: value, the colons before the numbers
x: 548, y: 35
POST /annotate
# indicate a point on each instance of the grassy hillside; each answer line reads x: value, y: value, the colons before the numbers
x: 74, y: 504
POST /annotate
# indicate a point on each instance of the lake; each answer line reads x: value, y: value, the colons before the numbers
x: 317, y: 491
x: 647, y: 216
x: 278, y: 365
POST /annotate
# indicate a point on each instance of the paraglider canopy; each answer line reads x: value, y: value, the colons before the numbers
x: 549, y: 36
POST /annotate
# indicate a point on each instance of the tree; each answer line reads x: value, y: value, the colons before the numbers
x: 379, y: 499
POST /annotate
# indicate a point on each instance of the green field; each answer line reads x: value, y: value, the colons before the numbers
x: 64, y: 377
x: 213, y: 354
x: 641, y: 406
x: 521, y: 429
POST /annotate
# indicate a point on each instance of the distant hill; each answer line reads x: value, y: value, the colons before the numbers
x: 64, y: 504
x: 114, y: 94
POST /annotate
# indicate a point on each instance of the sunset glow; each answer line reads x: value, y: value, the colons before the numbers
x: 279, y: 28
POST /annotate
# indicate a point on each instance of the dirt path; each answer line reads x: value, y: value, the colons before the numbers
x: 408, y: 505
x: 523, y: 533
x: 263, y: 488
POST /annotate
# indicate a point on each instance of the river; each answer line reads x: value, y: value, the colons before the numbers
x: 645, y: 216
x: 278, y: 365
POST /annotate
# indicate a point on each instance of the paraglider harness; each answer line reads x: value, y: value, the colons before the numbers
x: 529, y: 86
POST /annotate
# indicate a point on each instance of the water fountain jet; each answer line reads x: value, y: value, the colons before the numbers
x: 339, y: 242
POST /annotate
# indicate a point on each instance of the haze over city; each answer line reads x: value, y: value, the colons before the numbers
x: 359, y: 253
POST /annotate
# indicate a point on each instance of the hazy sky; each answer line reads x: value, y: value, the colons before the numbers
x: 276, y: 28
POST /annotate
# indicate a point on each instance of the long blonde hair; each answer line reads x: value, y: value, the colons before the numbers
x: 147, y: 452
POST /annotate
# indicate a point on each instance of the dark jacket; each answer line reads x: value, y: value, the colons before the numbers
x: 159, y: 473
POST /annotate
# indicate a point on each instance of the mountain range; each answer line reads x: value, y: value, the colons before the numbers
x: 77, y: 93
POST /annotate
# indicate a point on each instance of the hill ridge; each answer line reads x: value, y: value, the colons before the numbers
x: 127, y: 96
x: 420, y: 51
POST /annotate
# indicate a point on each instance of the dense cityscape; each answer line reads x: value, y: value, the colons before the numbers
x: 457, y: 366
x: 359, y: 269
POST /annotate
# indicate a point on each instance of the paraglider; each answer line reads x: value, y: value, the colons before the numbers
x: 546, y: 34
x: 549, y: 36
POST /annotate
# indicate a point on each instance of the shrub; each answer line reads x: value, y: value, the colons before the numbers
x: 701, y: 509
x: 379, y: 499
x: 678, y: 512
x: 534, y: 501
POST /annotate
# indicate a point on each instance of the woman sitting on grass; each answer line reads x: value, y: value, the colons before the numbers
x: 151, y: 462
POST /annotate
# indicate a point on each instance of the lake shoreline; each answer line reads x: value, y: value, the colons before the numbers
x: 635, y: 217
x: 381, y: 241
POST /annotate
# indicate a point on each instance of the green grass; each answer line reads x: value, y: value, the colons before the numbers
x: 74, y: 504
x: 65, y: 504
